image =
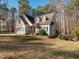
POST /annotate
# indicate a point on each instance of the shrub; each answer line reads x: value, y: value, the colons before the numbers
x: 75, y: 31
x: 42, y: 32
x: 60, y: 36
x: 64, y: 36
x: 75, y: 34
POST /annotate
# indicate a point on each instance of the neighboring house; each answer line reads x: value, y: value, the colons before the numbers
x: 24, y: 24
x: 47, y: 23
x: 3, y: 25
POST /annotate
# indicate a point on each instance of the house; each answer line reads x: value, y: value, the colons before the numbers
x: 2, y: 25
x: 47, y: 23
x: 24, y: 24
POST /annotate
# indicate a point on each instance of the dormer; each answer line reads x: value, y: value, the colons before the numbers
x: 38, y: 19
x: 44, y: 19
x: 47, y: 18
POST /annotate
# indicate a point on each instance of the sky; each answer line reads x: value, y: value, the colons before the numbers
x: 33, y: 3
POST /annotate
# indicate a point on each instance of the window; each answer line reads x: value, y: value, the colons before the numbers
x: 52, y: 23
x: 44, y: 19
x: 46, y: 28
x: 37, y: 20
x: 47, y: 18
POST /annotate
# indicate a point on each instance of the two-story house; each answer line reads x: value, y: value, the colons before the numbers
x: 46, y: 22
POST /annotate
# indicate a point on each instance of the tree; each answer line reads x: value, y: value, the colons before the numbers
x: 48, y: 8
x: 74, y: 4
x: 13, y: 11
x: 51, y: 8
x: 59, y: 9
x: 39, y: 11
x: 3, y: 13
x: 73, y: 9
x: 62, y: 17
x: 9, y: 25
x: 24, y: 6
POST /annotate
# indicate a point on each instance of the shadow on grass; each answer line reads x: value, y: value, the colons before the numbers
x: 65, y: 54
x: 23, y: 44
x: 18, y: 39
x: 48, y: 52
x: 25, y: 38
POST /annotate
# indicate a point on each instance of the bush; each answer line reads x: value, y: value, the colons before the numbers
x: 42, y: 32
x: 75, y: 34
x: 75, y: 31
x: 64, y: 36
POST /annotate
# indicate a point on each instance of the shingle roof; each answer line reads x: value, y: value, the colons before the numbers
x: 49, y: 17
x: 23, y: 19
x: 31, y: 19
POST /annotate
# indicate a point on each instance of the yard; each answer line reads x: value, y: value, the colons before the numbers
x: 37, y: 47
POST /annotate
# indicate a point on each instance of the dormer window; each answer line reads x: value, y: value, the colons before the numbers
x: 44, y: 19
x: 40, y: 18
x: 37, y: 20
x: 47, y: 18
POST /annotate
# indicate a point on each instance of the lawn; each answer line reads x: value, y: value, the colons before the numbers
x: 39, y: 47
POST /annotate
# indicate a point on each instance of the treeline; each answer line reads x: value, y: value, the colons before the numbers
x: 71, y: 21
x: 7, y: 16
x: 73, y: 11
x: 5, y: 10
x: 24, y: 7
x: 48, y: 8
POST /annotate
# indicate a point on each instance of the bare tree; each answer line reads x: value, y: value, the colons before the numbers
x: 60, y: 19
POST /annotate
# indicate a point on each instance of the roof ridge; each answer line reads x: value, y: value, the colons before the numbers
x: 23, y: 19
x: 30, y: 18
x: 44, y: 14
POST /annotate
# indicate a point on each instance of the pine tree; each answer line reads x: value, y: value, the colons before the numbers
x: 24, y: 7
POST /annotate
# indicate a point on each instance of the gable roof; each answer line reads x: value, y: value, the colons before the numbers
x: 30, y: 18
x: 23, y: 19
x: 27, y: 19
x: 49, y: 18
